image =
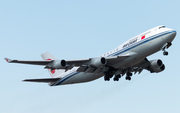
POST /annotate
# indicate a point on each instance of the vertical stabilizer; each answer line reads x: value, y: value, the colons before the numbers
x: 53, y: 73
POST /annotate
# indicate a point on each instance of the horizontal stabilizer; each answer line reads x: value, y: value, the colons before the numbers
x: 46, y: 80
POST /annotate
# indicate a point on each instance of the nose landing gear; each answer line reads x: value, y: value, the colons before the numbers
x: 165, y: 53
x: 128, y: 76
x: 166, y: 46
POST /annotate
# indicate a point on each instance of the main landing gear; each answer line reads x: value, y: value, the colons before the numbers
x: 128, y: 76
x: 116, y: 77
x: 106, y: 77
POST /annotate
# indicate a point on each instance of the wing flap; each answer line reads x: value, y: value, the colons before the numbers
x: 77, y: 62
x: 45, y: 80
x: 116, y: 59
x: 71, y: 63
x: 82, y: 68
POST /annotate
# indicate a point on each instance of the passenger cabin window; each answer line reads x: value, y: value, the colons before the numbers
x: 161, y: 27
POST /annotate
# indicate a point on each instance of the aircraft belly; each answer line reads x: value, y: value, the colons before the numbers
x: 128, y: 62
x: 82, y: 77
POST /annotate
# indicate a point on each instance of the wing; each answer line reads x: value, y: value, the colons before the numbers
x: 84, y: 64
x: 44, y: 62
x: 28, y: 62
x: 116, y: 59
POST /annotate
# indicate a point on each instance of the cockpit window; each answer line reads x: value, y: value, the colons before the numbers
x: 161, y: 27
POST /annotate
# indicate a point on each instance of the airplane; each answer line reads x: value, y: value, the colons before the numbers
x: 126, y: 59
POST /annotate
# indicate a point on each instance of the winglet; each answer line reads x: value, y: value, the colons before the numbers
x: 8, y: 60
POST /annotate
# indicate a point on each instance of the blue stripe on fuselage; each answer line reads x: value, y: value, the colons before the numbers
x: 65, y: 78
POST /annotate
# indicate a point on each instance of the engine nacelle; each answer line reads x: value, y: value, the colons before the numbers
x: 157, y: 66
x: 58, y: 64
x: 97, y: 62
x: 159, y: 69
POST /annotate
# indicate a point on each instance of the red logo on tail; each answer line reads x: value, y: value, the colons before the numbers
x: 52, y: 71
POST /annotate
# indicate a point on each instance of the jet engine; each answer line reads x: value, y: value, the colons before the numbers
x: 156, y: 66
x: 57, y: 64
x: 97, y: 62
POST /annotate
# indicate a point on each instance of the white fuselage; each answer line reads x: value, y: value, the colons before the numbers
x: 139, y: 47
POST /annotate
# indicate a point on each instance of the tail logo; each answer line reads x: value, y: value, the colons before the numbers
x: 52, y: 70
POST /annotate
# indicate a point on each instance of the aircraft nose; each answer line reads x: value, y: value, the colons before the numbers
x: 174, y: 32
x: 172, y: 35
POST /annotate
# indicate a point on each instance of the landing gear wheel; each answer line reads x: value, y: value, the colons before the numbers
x: 129, y: 74
x: 106, y: 78
x: 119, y: 76
x: 165, y: 53
x: 116, y: 79
x: 128, y: 78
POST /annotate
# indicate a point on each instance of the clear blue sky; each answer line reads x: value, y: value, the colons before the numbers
x: 75, y: 29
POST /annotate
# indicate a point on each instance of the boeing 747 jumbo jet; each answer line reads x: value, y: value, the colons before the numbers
x: 128, y: 58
